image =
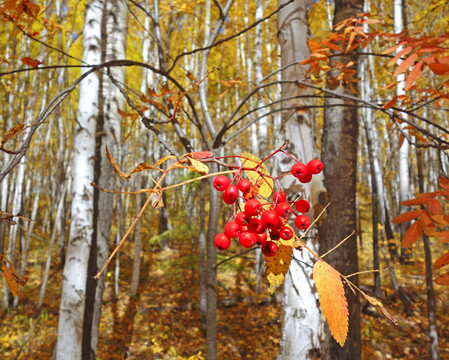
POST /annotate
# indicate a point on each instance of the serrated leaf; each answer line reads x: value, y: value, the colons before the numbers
x: 331, y: 295
x: 435, y: 207
x: 254, y: 162
x: 443, y: 260
x: 391, y: 103
x: 15, y: 130
x: 416, y: 201
x: 143, y: 166
x: 13, y: 280
x: 409, y: 215
x: 439, y: 69
x: 202, y: 154
x: 277, y: 266
x: 403, y: 52
x: 164, y: 159
x: 442, y: 279
x: 412, y: 234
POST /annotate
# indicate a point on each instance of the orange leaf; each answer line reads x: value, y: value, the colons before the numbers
x: 435, y: 207
x: 442, y: 279
x: 391, y: 103
x: 416, y: 72
x: 444, y: 183
x: 313, y: 45
x: 17, y: 129
x: 443, y: 260
x: 390, y: 50
x: 120, y: 173
x: 439, y: 69
x: 351, y: 39
x: 412, y: 235
x: 399, y: 55
x: 417, y: 201
x: 410, y: 215
x: 332, y: 299
x: 13, y: 280
x: 31, y: 62
x: 202, y: 154
x: 405, y: 64
x: 141, y: 167
x: 442, y: 236
x: 389, y: 86
x: 277, y: 266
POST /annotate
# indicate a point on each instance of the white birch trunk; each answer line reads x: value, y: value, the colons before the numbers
x: 71, y: 313
x: 301, y: 317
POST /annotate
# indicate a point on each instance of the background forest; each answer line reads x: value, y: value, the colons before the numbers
x: 153, y: 80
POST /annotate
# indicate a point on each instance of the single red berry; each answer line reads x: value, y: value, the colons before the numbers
x: 261, y: 238
x: 270, y: 219
x: 315, y: 166
x: 253, y: 207
x: 222, y: 241
x: 306, y: 178
x: 284, y: 209
x: 247, y: 239
x: 221, y: 183
x: 242, y: 218
x: 286, y: 233
x: 230, y: 194
x: 232, y: 229
x: 244, y: 228
x: 302, y: 206
x: 299, y: 169
x: 279, y: 197
x: 302, y: 222
x: 274, y: 235
x: 244, y: 185
x: 269, y: 248
x: 255, y: 226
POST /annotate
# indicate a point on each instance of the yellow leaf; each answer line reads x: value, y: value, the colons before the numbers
x: 332, y: 300
x: 197, y: 166
x: 277, y: 266
x: 120, y: 173
x: 262, y: 173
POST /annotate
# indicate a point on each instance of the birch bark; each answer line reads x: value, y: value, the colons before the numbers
x: 71, y: 313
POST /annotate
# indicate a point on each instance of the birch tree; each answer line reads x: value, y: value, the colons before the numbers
x: 301, y: 318
x: 71, y: 312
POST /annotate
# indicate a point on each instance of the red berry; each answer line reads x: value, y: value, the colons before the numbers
x: 244, y: 228
x: 270, y: 219
x: 222, y: 241
x: 299, y: 169
x: 247, y: 239
x: 286, y: 233
x: 221, y: 183
x: 302, y: 206
x: 261, y: 238
x: 279, y: 197
x: 242, y: 218
x: 244, y: 185
x: 284, y: 209
x: 315, y: 166
x: 302, y: 222
x: 253, y: 207
x: 274, y: 235
x: 230, y: 194
x: 269, y: 248
x: 255, y: 226
x: 232, y: 229
x: 305, y: 178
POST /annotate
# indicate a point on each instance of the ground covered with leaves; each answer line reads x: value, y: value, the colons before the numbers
x: 163, y: 320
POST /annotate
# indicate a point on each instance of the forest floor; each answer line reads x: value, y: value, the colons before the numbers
x: 163, y: 320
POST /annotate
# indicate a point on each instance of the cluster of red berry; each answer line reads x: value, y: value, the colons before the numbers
x: 251, y: 224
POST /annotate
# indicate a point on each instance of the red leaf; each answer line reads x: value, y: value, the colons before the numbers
x: 31, y: 62
x: 435, y: 207
x: 412, y: 235
x: 405, y: 64
x: 439, y: 69
x: 202, y: 154
x: 410, y: 215
x: 390, y: 50
x: 416, y: 72
x: 442, y: 279
x: 443, y: 260
x: 442, y: 236
x: 444, y: 183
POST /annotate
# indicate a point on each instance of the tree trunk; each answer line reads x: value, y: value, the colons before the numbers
x: 71, y: 314
x: 301, y: 316
x: 339, y: 156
